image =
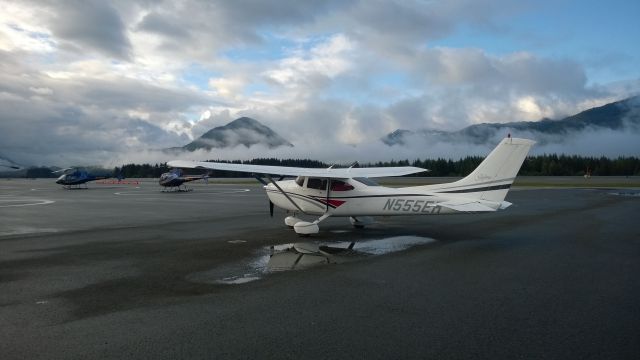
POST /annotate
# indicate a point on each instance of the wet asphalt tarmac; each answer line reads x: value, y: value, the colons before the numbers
x: 121, y: 272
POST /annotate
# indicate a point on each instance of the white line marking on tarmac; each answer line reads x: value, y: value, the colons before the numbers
x: 22, y: 230
x: 32, y: 203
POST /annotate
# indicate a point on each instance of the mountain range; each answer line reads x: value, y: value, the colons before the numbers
x: 242, y: 131
x: 616, y: 116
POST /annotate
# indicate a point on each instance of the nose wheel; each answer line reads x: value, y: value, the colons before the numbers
x: 304, y: 228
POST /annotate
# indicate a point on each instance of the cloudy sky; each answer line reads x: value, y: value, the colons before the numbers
x: 103, y: 81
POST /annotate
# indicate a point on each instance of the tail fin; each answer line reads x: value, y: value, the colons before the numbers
x: 492, y: 179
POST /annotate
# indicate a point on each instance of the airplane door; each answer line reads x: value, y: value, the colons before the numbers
x: 316, y: 188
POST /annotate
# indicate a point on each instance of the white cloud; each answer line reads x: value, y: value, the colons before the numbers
x: 311, y: 69
x: 531, y: 110
x: 124, y: 76
x: 20, y: 30
x: 229, y: 88
x: 41, y: 90
x: 350, y: 131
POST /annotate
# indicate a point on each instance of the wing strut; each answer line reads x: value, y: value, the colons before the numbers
x: 284, y: 193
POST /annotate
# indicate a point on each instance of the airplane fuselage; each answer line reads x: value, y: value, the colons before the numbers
x: 356, y: 199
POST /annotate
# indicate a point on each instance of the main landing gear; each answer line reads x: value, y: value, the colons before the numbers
x: 304, y: 228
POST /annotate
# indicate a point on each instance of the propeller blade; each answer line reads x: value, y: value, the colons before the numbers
x: 271, y: 208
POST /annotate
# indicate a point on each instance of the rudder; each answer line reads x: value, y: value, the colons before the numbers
x: 492, y: 179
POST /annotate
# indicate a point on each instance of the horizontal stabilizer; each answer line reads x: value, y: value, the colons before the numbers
x: 466, y: 206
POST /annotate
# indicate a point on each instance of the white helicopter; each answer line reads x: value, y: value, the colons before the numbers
x: 351, y: 192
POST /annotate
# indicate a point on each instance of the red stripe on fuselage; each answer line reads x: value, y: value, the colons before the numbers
x: 331, y: 202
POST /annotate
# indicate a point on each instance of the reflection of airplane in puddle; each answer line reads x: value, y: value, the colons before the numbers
x: 174, y: 180
x: 307, y: 254
x: 351, y: 193
x: 304, y: 255
x: 76, y: 177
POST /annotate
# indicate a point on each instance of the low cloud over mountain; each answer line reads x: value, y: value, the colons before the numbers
x: 612, y: 130
x: 243, y: 131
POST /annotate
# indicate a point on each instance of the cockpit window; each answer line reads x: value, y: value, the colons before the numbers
x: 300, y: 180
x: 366, y: 181
x: 338, y: 185
x: 316, y: 183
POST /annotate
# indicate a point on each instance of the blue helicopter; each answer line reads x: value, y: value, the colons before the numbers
x: 76, y: 177
x: 174, y: 180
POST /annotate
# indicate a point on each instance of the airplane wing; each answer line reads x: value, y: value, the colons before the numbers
x: 298, y: 171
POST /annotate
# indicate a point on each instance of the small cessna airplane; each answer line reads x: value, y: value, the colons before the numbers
x: 175, y: 180
x: 78, y: 177
x: 351, y: 192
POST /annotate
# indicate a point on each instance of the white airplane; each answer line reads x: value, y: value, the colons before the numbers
x: 351, y: 192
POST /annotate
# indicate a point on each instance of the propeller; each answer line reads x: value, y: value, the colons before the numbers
x: 271, y: 208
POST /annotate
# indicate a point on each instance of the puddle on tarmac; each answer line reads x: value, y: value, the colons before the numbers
x: 296, y: 256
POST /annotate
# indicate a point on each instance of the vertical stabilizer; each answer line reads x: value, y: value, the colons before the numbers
x: 492, y: 179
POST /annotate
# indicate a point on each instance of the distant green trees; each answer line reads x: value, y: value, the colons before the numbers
x: 539, y: 165
x: 141, y: 171
x: 572, y: 165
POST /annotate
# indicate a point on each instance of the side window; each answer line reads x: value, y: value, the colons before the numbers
x: 337, y: 185
x: 316, y: 183
x: 300, y: 180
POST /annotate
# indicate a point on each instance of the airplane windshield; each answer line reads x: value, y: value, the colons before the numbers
x: 366, y: 181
